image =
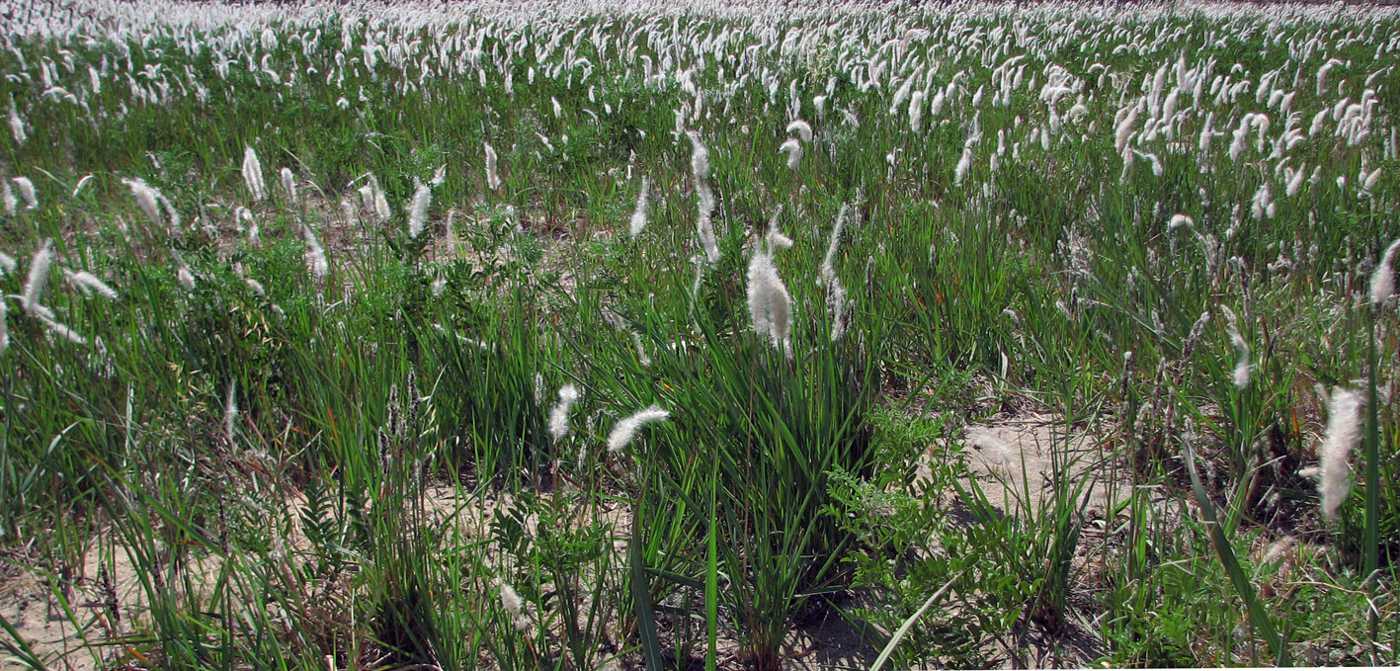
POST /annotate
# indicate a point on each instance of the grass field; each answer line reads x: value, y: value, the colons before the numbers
x: 635, y: 334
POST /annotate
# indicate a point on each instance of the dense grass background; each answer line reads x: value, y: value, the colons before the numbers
x: 357, y: 469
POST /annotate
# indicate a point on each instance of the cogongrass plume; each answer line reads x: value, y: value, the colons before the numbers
x: 153, y: 204
x: 289, y: 185
x: 827, y: 272
x: 793, y: 149
x: 185, y: 277
x: 37, y: 280
x: 418, y: 210
x: 82, y: 183
x: 559, y: 414
x: 770, y: 306
x: 774, y: 238
x: 802, y: 128
x: 514, y: 606
x: 1383, y: 278
x: 964, y: 164
x: 253, y: 174
x: 642, y: 356
x: 699, y: 157
x: 1343, y: 433
x: 7, y: 195
x: 836, y: 299
x: 837, y: 302
x: 626, y: 429
x: 60, y: 330
x: 146, y: 199
x: 230, y: 410
x: 26, y: 192
x: 639, y: 214
x: 916, y: 111
x: 1242, y: 368
x: 243, y: 214
x: 4, y: 327
x: 88, y: 283
x: 16, y: 124
x: 315, y: 254
x: 700, y: 168
x: 7, y: 264
x: 493, y: 180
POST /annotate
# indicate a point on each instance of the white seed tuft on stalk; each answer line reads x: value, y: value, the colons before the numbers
x: 1343, y: 433
x: 231, y: 410
x: 793, y: 149
x: 37, y: 280
x: 700, y: 166
x: 418, y: 210
x: 626, y: 429
x: 1383, y: 278
x: 559, y: 414
x: 493, y: 180
x: 315, y: 254
x: 802, y: 128
x: 88, y: 283
x: 770, y: 306
x: 26, y: 191
x: 1242, y: 367
x: 515, y: 607
x: 16, y: 124
x: 147, y: 199
x: 639, y: 214
x: 289, y: 185
x: 253, y: 174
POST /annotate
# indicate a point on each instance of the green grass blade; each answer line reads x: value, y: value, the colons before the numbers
x: 641, y: 597
x: 712, y: 582
x: 1254, y: 609
x: 903, y: 630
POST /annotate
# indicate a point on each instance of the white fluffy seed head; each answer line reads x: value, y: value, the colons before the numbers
x: 559, y: 414
x: 626, y: 429
x: 231, y: 409
x: 699, y: 157
x: 289, y: 185
x: 827, y: 272
x: 88, y: 283
x: 26, y: 191
x: 964, y: 164
x: 16, y: 124
x: 1343, y: 433
x: 253, y: 175
x: 315, y: 255
x: 37, y: 280
x: 514, y: 607
x: 639, y: 214
x: 802, y: 128
x: 493, y: 180
x: 793, y: 149
x: 185, y: 277
x: 418, y: 210
x: 1383, y: 278
x: 148, y: 199
x: 7, y: 195
x: 1242, y: 366
x: 770, y: 306
x: 705, y: 227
